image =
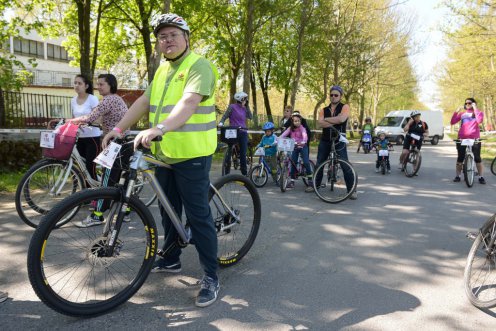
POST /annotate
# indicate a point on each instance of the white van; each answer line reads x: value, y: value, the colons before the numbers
x: 394, y: 122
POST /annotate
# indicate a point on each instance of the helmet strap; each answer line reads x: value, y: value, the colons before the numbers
x: 179, y: 56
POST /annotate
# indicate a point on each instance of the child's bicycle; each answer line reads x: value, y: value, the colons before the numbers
x: 89, y: 271
x: 286, y: 146
x: 259, y: 174
x: 382, y: 154
x: 50, y: 180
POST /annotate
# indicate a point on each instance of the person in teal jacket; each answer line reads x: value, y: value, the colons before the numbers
x: 269, y: 142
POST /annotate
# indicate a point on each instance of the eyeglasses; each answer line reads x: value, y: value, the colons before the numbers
x: 172, y: 36
x: 335, y: 95
x: 468, y: 103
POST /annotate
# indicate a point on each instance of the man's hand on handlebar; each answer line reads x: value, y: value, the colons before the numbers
x: 145, y: 137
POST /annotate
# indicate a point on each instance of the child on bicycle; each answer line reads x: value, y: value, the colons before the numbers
x: 382, y: 144
x: 269, y: 143
x: 298, y: 133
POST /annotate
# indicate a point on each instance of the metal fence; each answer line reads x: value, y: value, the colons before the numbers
x: 28, y: 110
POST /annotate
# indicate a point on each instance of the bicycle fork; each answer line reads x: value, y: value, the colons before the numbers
x: 61, y: 179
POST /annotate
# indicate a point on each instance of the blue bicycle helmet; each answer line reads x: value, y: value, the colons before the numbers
x: 268, y: 126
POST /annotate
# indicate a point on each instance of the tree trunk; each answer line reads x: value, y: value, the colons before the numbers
x: 153, y: 55
x: 84, y: 11
x: 97, y: 32
x: 254, y: 107
x: 250, y: 4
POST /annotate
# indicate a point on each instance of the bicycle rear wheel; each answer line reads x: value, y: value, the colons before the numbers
x: 70, y: 268
x: 259, y: 175
x: 333, y: 188
x: 42, y: 187
x: 412, y: 163
x: 468, y: 170
x: 235, y: 233
x: 480, y: 270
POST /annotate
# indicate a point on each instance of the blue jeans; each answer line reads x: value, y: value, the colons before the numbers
x: 304, y: 155
x: 187, y: 185
x: 322, y: 155
x: 243, y: 147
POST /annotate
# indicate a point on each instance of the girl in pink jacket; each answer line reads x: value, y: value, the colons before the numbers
x: 299, y: 134
x: 470, y: 118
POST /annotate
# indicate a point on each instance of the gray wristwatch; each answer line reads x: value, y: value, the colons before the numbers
x: 161, y: 127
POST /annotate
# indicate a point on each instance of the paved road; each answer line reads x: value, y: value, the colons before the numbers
x: 391, y: 260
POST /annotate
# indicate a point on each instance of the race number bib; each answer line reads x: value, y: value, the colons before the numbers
x: 47, y: 139
x: 383, y: 152
x: 468, y: 142
x: 414, y: 136
x: 107, y: 157
x: 230, y: 133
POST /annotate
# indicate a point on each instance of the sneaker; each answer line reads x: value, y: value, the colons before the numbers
x: 3, y: 296
x: 376, y: 169
x: 290, y: 185
x: 90, y: 220
x: 208, y: 292
x: 457, y: 179
x: 309, y: 189
x: 161, y: 266
x: 353, y: 196
x: 389, y: 171
x: 482, y: 180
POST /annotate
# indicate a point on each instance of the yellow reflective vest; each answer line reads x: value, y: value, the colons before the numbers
x: 198, y: 136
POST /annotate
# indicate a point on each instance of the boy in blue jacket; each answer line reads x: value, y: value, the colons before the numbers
x: 269, y: 142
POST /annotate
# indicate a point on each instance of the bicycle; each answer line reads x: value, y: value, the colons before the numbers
x: 480, y: 270
x: 285, y: 146
x: 383, y: 153
x: 259, y: 174
x: 413, y: 160
x: 334, y: 171
x: 49, y: 181
x: 469, y: 169
x: 493, y: 166
x: 89, y: 271
x: 229, y: 135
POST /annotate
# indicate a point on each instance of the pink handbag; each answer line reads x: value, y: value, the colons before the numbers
x: 65, y: 139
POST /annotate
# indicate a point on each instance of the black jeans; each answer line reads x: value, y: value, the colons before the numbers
x: 322, y: 155
x: 89, y: 149
x: 187, y: 185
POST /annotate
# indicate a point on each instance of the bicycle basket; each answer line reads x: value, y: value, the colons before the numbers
x: 229, y: 134
x: 260, y: 151
x: 64, y: 141
x: 285, y: 145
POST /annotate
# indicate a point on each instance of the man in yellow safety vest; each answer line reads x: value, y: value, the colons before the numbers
x: 181, y: 106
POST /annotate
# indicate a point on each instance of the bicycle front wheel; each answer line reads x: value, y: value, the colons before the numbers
x: 259, y: 175
x: 312, y: 170
x: 226, y: 161
x: 493, y: 166
x: 333, y: 187
x: 72, y: 269
x: 468, y: 170
x: 284, y: 178
x: 412, y: 163
x: 144, y: 190
x: 236, y: 210
x: 480, y: 270
x: 44, y: 185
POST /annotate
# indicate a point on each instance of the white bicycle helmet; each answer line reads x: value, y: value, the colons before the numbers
x: 170, y: 19
x: 414, y: 113
x: 240, y: 96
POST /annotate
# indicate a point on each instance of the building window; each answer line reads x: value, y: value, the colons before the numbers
x: 57, y: 53
x: 28, y: 47
x: 66, y: 81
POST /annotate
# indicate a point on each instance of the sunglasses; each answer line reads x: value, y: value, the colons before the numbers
x: 468, y: 103
x: 335, y: 95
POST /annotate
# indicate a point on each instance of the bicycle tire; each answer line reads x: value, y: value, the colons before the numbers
x: 493, y: 166
x: 226, y: 162
x: 143, y: 190
x: 33, y: 199
x: 66, y: 278
x: 312, y: 169
x: 259, y: 175
x: 334, y: 189
x: 412, y: 163
x: 383, y: 167
x: 480, y: 268
x: 235, y: 239
x: 468, y: 170
x: 284, y: 179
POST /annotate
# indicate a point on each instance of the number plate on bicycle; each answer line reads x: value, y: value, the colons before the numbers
x: 47, y: 139
x: 415, y: 136
x: 468, y: 142
x: 107, y: 157
x: 231, y: 133
x: 383, y: 152
x: 285, y: 145
x: 260, y: 151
